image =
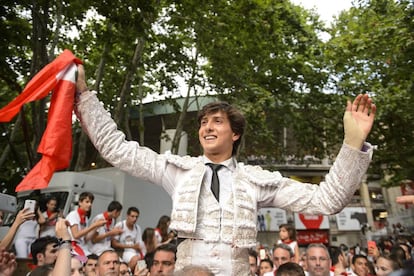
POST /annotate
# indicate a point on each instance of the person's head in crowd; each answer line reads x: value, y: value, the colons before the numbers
x: 338, y: 258
x: 287, y: 232
x: 43, y: 270
x: 76, y: 266
x: 266, y: 265
x: 44, y: 250
x: 344, y: 248
x: 290, y: 269
x: 386, y: 245
x: 399, y: 253
x: 85, y: 202
x: 124, y: 269
x: 407, y: 250
x: 149, y: 239
x: 253, y: 261
x: 302, y: 261
x: 51, y: 204
x: 317, y: 260
x: 163, y: 225
x: 282, y: 253
x: 194, y: 270
x: 360, y: 265
x: 386, y: 264
x: 90, y: 265
x: 108, y: 264
x: 114, y: 209
x: 164, y: 260
x: 132, y: 215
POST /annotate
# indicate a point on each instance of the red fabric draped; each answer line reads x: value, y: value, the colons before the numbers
x: 56, y: 143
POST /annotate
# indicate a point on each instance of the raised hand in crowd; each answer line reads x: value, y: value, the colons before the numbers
x: 22, y: 216
x: 8, y: 263
x: 141, y: 271
x: 63, y: 261
x: 405, y: 199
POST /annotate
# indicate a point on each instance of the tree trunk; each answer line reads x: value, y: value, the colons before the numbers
x: 180, y: 123
x: 141, y: 113
x: 39, y: 60
x: 126, y: 86
x: 10, y: 146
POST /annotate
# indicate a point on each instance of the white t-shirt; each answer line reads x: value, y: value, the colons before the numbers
x: 105, y: 244
x: 28, y: 230
x: 74, y: 219
x: 130, y: 237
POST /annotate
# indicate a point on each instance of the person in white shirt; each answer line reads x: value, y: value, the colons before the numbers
x: 100, y: 239
x: 22, y: 216
x: 222, y: 220
x: 26, y: 234
x: 48, y: 219
x: 287, y: 235
x: 130, y: 240
x: 79, y: 226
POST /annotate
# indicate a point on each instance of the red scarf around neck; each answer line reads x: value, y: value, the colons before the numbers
x: 108, y: 219
x: 288, y: 241
x: 49, y: 213
x: 82, y: 215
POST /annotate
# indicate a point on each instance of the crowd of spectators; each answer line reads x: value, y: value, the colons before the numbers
x: 123, y: 249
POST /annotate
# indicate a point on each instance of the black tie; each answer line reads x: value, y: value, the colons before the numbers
x: 215, y: 183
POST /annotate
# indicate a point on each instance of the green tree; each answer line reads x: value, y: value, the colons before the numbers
x: 371, y: 51
x: 266, y: 57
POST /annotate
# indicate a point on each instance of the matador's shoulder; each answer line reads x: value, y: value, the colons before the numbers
x: 184, y: 162
x: 258, y: 175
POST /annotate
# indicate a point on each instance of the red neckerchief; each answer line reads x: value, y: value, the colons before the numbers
x: 108, y: 219
x: 31, y: 265
x: 82, y: 215
x: 49, y: 213
x: 343, y: 273
x: 288, y: 241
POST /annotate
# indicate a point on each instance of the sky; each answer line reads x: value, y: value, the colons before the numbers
x: 325, y: 8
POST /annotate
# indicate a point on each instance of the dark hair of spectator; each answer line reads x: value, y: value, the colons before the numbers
x: 39, y: 246
x: 114, y: 205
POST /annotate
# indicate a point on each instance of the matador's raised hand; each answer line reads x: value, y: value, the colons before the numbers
x: 358, y: 120
x: 81, y: 85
